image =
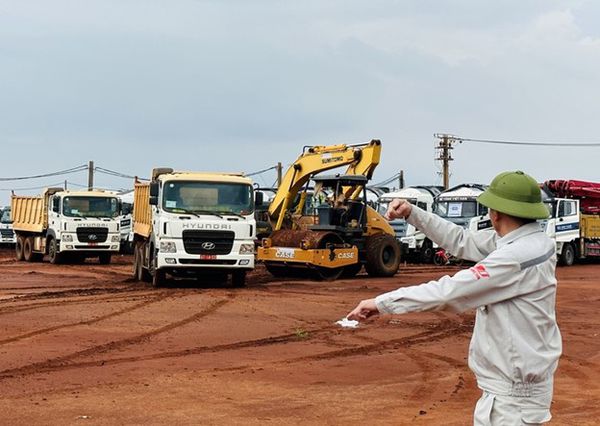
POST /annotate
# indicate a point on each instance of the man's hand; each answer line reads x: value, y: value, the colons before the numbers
x: 398, y: 209
x: 364, y: 310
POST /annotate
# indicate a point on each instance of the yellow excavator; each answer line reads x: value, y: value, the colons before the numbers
x: 345, y: 233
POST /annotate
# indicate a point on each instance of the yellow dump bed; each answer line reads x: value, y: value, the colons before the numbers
x: 590, y: 226
x: 142, y: 211
x: 30, y: 214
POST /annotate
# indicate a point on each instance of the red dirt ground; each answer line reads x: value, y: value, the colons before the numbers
x: 84, y: 344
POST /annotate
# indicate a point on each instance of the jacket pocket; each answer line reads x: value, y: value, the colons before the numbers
x: 535, y: 416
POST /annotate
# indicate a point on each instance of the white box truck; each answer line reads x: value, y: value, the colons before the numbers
x: 63, y: 223
x: 459, y: 205
x: 189, y: 224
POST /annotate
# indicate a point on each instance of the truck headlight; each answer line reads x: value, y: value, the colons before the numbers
x: 167, y: 247
x: 115, y: 238
x: 67, y: 238
x: 247, y: 249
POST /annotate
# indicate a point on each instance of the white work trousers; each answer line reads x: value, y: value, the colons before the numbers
x: 500, y: 410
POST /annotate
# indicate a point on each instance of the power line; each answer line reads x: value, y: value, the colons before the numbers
x: 58, y: 173
x: 116, y: 174
x: 389, y: 180
x: 261, y: 171
x: 490, y: 141
x: 33, y: 187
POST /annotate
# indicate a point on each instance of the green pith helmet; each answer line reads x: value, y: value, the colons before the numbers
x: 515, y: 194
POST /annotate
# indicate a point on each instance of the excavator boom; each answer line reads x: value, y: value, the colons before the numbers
x: 362, y: 158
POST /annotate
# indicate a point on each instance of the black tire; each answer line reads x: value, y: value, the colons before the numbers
x: 158, y: 278
x: 104, y: 258
x: 53, y: 254
x: 238, y: 279
x: 427, y: 252
x: 278, y: 271
x: 28, y: 254
x: 142, y: 273
x: 439, y: 260
x: 567, y: 257
x: 137, y: 265
x: 19, y: 248
x: 351, y: 271
x: 382, y: 255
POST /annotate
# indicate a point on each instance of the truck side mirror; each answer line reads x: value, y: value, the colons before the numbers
x: 153, y: 201
x: 154, y: 189
x: 258, y: 198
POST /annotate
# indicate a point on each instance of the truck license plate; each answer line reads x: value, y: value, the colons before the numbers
x: 208, y: 256
x: 92, y: 244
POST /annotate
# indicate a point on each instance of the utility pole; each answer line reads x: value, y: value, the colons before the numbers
x: 401, y: 179
x: 90, y: 176
x: 444, y: 155
x: 279, y: 174
x: 65, y: 184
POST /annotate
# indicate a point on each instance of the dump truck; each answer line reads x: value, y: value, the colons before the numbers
x: 7, y: 234
x: 415, y: 245
x: 63, y: 224
x: 459, y: 205
x: 345, y: 233
x: 574, y: 219
x: 194, y: 225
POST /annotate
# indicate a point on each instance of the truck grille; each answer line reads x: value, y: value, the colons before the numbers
x: 92, y: 235
x: 7, y: 233
x: 208, y: 242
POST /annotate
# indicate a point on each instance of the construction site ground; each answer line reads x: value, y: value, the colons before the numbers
x: 85, y: 344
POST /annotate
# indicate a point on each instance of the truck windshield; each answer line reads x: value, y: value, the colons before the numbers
x: 382, y: 205
x: 452, y: 209
x: 5, y: 216
x: 551, y: 206
x: 90, y: 206
x: 198, y: 197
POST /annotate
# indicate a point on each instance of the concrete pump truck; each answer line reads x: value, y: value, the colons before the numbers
x: 345, y: 234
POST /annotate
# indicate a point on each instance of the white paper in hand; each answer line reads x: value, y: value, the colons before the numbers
x: 346, y: 323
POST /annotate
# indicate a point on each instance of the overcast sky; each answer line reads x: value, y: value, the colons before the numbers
x: 237, y: 85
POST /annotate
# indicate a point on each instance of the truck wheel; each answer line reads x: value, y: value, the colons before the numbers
x: 104, y: 258
x: 351, y: 271
x: 158, y: 278
x: 238, y: 279
x: 427, y: 252
x: 567, y: 257
x: 383, y: 255
x: 277, y: 270
x: 28, y: 254
x: 19, y: 248
x: 137, y: 265
x: 53, y: 255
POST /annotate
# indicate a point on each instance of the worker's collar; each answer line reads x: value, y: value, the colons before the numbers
x: 521, y: 231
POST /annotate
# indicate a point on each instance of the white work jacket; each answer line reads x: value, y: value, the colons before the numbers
x: 516, y: 342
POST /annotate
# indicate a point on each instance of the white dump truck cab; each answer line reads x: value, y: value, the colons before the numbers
x: 414, y: 243
x: 61, y: 223
x: 192, y: 224
x: 7, y: 234
x: 563, y: 226
x: 459, y: 205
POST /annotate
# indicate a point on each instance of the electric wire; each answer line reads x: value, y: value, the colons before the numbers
x: 261, y: 171
x: 58, y: 173
x: 501, y: 142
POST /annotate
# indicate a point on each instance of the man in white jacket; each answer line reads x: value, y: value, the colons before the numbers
x: 516, y: 342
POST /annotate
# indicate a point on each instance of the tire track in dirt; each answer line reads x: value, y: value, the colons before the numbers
x: 135, y: 307
x: 444, y: 330
x: 123, y: 293
x: 64, y: 362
